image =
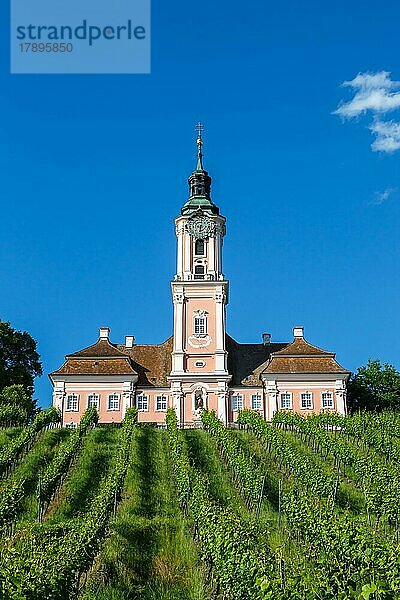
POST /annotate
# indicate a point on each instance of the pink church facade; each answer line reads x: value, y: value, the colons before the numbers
x: 200, y: 366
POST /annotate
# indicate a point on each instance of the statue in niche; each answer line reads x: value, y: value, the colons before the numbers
x: 199, y: 401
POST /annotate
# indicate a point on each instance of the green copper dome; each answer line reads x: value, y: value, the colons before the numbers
x: 199, y: 185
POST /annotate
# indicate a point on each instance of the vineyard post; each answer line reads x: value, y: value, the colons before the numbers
x: 279, y: 497
x: 261, y: 496
x: 39, y: 497
x: 115, y: 502
x: 336, y: 488
x: 282, y: 573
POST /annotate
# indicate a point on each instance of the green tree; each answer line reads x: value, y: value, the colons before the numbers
x: 375, y: 386
x: 19, y: 359
x: 19, y: 365
x: 18, y: 400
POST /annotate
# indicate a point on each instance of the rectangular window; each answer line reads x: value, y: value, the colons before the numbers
x: 70, y: 425
x: 286, y: 401
x: 306, y: 400
x: 256, y: 402
x: 161, y: 403
x: 142, y: 403
x: 200, y: 326
x: 94, y: 400
x: 327, y: 400
x: 113, y: 402
x: 72, y: 402
x: 199, y: 272
x: 199, y: 248
x: 237, y: 402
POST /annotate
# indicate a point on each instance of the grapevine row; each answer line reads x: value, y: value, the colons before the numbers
x: 378, y: 479
x: 247, y: 471
x: 239, y: 559
x: 10, y: 453
x: 305, y: 468
x: 61, y: 462
x: 46, y: 562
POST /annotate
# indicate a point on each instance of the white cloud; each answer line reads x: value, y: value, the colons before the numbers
x: 374, y: 92
x: 387, y: 136
x: 381, y: 197
x: 379, y: 94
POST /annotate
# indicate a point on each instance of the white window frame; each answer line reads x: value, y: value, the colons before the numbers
x: 161, y: 403
x: 256, y: 402
x: 72, y: 405
x: 71, y: 425
x: 143, y: 400
x: 286, y: 397
x: 304, y: 400
x: 89, y: 401
x: 115, y: 399
x: 200, y: 325
x: 237, y: 402
x: 328, y: 396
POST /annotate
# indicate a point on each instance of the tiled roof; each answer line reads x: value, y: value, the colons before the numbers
x: 99, y: 366
x: 301, y: 347
x: 247, y: 361
x: 317, y: 364
x: 101, y: 348
x: 152, y: 362
x: 302, y: 357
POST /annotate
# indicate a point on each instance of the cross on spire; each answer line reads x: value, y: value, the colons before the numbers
x: 200, y: 130
x: 199, y: 142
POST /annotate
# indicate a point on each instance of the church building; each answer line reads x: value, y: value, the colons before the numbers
x: 200, y: 366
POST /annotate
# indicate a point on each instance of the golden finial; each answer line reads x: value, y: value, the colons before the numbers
x: 199, y: 142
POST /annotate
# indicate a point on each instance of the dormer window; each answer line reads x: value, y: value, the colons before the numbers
x: 199, y: 248
x: 199, y: 272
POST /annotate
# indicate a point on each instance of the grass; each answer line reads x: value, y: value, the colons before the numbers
x: 149, y: 553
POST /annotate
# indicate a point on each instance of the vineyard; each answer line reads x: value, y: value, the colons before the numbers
x: 300, y: 508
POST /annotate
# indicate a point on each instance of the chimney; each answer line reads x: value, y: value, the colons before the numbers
x: 266, y: 338
x: 298, y: 332
x: 104, y: 333
x: 129, y: 341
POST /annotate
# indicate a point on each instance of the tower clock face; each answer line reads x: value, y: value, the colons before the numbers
x: 201, y: 227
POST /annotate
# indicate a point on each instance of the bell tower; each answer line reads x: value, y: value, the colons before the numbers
x: 199, y: 375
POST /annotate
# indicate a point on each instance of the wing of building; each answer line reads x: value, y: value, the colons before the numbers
x: 200, y: 366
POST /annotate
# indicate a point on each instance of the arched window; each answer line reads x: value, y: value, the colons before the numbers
x: 199, y: 248
x: 199, y: 272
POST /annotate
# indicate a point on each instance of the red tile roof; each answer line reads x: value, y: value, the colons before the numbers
x: 98, y: 366
x: 246, y: 362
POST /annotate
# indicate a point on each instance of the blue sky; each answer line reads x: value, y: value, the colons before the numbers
x: 93, y: 169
